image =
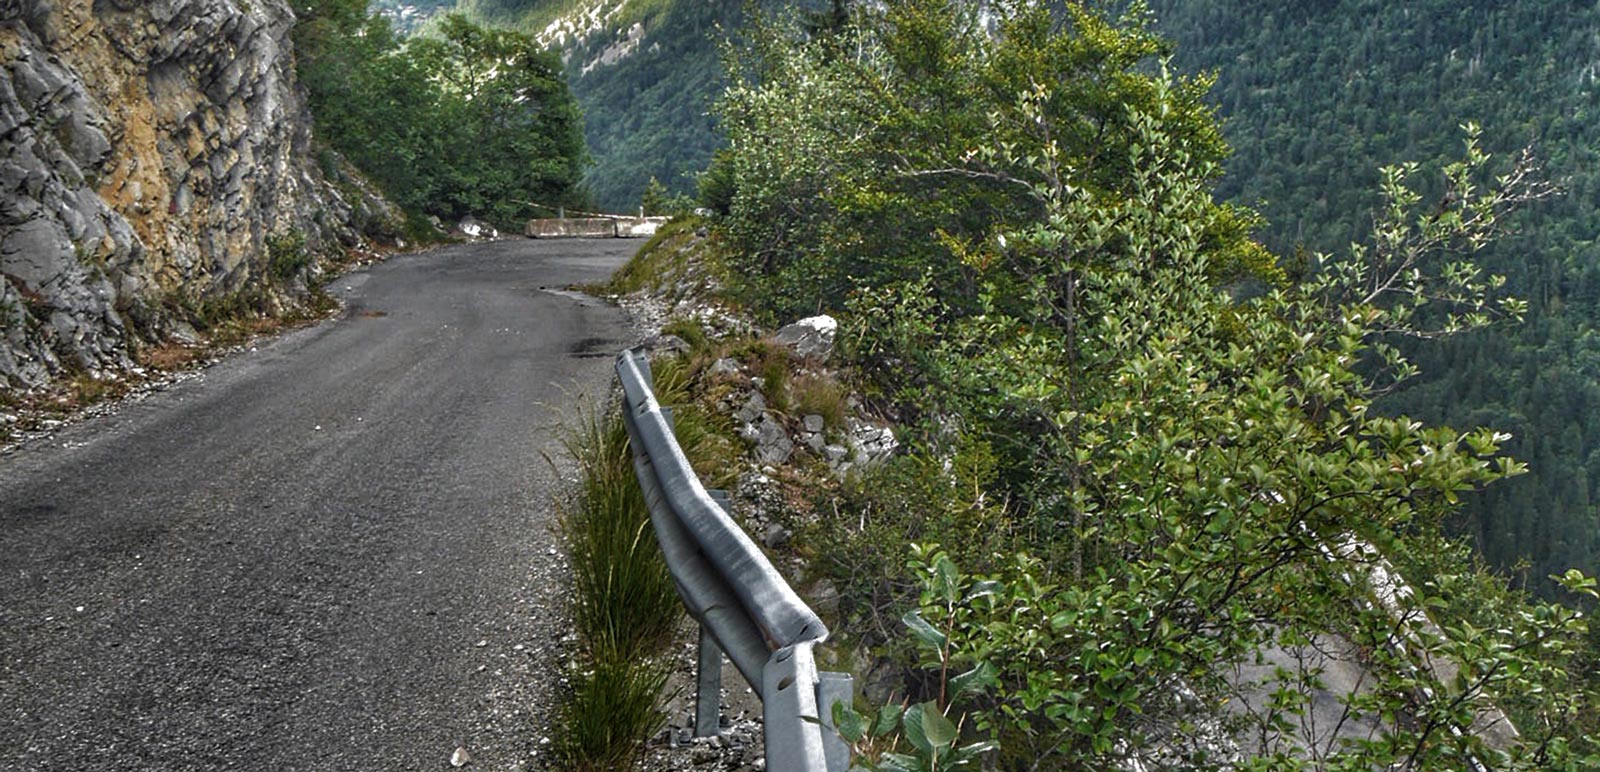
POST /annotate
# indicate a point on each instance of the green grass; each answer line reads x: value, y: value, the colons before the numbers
x: 613, y: 710
x: 625, y: 600
x: 625, y: 607
x: 668, y: 258
x: 769, y: 360
x: 817, y: 395
x: 688, y: 329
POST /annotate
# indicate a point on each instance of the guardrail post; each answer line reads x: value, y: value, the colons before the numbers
x: 708, y: 701
x: 834, y: 688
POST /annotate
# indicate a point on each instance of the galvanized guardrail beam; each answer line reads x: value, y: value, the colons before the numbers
x: 745, y: 608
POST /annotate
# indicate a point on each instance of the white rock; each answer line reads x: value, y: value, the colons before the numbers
x: 810, y: 337
x: 478, y: 229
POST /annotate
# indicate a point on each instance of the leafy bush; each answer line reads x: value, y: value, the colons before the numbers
x: 1017, y: 208
x: 287, y: 255
x: 860, y: 534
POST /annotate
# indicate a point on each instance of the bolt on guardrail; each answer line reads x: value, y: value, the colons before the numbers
x: 745, y: 608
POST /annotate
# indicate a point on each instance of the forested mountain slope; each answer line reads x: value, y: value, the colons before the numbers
x: 1318, y: 95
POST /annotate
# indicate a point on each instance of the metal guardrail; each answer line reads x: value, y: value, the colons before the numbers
x: 745, y: 608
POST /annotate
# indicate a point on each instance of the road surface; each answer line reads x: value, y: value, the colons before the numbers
x: 333, y: 552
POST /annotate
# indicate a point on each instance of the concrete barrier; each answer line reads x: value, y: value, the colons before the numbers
x: 640, y: 227
x: 595, y: 227
x: 573, y: 227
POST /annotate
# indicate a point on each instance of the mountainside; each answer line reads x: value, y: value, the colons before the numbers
x: 1317, y: 96
x: 149, y: 152
x: 645, y: 72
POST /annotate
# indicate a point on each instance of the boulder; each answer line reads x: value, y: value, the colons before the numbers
x: 810, y: 337
x: 870, y: 444
x: 776, y: 536
x: 773, y: 445
x: 753, y: 408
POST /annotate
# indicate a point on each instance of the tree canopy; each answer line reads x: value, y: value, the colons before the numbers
x: 466, y: 120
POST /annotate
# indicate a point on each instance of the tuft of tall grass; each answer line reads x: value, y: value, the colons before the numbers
x: 819, y: 395
x: 625, y: 606
x: 625, y: 600
x: 769, y: 360
x: 614, y: 708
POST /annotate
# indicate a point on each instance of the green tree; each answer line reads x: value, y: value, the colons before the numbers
x: 1020, y: 220
x: 470, y: 121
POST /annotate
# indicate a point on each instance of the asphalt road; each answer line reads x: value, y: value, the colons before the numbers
x: 333, y: 552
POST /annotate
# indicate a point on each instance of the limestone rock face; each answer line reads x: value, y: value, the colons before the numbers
x: 148, y: 150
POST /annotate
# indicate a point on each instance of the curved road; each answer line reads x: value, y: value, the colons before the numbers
x: 334, y: 552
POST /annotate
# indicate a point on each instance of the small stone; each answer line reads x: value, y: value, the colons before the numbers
x: 753, y: 408
x: 668, y: 343
x: 723, y: 366
x: 460, y: 758
x: 773, y: 445
x: 813, y: 423
x: 776, y: 536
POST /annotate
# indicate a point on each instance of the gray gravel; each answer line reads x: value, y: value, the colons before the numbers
x: 333, y: 552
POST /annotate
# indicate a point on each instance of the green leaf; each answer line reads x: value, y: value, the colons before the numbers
x: 938, y: 729
x: 849, y: 723
x: 974, y: 681
x: 982, y: 589
x: 916, y: 730
x: 947, y: 580
x: 923, y: 631
x: 888, y: 719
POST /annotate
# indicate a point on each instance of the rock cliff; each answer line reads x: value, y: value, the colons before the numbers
x: 149, y: 151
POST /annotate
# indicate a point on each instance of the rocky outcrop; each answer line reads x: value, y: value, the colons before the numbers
x: 149, y: 149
